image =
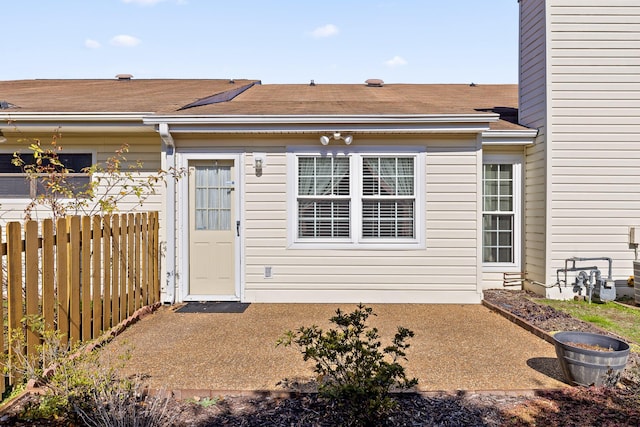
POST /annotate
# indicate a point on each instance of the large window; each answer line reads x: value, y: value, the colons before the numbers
x: 14, y: 183
x: 357, y: 199
x: 500, y: 211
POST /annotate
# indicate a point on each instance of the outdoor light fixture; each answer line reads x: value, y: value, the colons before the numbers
x: 259, y: 161
x: 3, y: 138
x: 324, y: 140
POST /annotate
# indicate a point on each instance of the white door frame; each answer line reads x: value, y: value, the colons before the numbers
x: 182, y: 212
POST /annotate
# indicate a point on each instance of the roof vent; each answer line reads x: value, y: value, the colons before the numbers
x: 473, y: 84
x: 374, y: 83
x: 313, y: 83
x: 124, y: 76
x: 232, y: 81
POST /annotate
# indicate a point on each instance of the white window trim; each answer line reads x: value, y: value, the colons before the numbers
x: 356, y: 241
x: 515, y: 160
x: 73, y: 150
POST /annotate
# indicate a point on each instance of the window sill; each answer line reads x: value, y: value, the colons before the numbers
x: 383, y: 246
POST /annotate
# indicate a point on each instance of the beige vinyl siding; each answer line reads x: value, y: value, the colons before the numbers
x: 532, y: 76
x: 446, y: 271
x: 594, y: 129
x: 532, y: 113
x: 535, y: 212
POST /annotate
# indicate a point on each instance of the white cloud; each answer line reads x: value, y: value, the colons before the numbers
x: 92, y: 44
x: 396, y: 61
x: 124, y: 40
x: 328, y: 30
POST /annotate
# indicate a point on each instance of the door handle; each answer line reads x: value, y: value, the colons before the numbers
x: 238, y: 228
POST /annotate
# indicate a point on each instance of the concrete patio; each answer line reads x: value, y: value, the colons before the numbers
x: 456, y: 347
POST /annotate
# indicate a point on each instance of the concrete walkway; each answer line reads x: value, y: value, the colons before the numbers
x: 456, y: 347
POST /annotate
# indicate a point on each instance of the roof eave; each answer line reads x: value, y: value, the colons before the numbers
x: 509, y: 137
x: 399, y: 123
x: 74, y: 121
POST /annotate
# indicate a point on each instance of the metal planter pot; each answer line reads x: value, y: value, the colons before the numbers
x: 587, y: 367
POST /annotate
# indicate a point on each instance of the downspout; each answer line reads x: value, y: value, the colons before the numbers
x: 169, y: 148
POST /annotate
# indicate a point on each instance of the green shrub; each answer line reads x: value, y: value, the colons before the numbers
x: 353, y: 370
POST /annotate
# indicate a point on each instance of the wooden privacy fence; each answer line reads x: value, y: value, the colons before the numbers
x: 83, y: 276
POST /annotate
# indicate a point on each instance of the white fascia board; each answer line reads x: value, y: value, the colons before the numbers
x: 74, y: 122
x: 452, y: 123
x: 509, y: 137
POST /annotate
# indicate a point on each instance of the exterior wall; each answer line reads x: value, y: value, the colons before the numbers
x: 447, y: 271
x: 532, y: 113
x: 595, y: 128
x: 592, y: 131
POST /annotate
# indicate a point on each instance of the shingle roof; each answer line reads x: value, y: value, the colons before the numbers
x: 122, y: 96
x: 169, y: 96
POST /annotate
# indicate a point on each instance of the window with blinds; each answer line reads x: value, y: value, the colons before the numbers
x: 388, y: 197
x: 356, y: 198
x: 324, y: 204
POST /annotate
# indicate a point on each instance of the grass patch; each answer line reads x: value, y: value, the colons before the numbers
x: 610, y: 316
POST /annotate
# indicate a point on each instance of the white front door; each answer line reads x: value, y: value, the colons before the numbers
x: 213, y: 229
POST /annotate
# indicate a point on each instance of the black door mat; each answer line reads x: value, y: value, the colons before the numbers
x: 213, y: 307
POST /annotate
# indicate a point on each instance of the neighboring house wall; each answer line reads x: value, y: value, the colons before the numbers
x: 592, y: 129
x: 532, y: 113
x: 145, y: 149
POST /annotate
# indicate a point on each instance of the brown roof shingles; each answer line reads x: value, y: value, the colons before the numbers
x: 122, y: 96
x: 167, y: 96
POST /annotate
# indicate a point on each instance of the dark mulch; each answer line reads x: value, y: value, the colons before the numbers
x: 576, y: 406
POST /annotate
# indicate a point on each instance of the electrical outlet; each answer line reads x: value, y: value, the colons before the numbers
x: 268, y: 272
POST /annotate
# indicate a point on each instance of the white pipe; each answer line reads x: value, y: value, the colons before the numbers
x: 169, y: 148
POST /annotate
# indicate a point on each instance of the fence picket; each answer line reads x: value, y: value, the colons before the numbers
x: 144, y: 277
x: 115, y: 270
x: 31, y: 284
x: 106, y: 280
x: 96, y: 265
x: 85, y: 274
x: 122, y: 266
x: 62, y: 278
x: 3, y: 251
x: 48, y: 274
x: 131, y: 291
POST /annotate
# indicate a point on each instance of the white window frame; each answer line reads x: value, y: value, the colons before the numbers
x: 356, y: 241
x: 516, y: 161
x: 18, y: 199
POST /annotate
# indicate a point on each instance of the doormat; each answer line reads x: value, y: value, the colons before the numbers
x: 213, y: 307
